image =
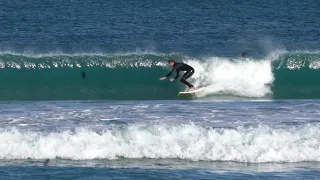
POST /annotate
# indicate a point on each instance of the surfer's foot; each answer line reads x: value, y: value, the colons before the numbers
x: 192, y: 89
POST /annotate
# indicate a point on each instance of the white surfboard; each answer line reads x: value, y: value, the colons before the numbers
x: 191, y: 92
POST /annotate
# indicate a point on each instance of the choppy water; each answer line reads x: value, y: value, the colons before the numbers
x: 164, y: 137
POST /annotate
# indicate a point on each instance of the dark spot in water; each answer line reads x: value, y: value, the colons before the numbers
x: 83, y: 75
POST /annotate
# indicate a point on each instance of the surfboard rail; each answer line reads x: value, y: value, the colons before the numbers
x: 191, y: 92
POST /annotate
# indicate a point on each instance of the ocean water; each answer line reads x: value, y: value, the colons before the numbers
x: 80, y: 96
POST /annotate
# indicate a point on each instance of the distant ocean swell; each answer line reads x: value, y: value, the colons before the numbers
x: 188, y: 141
x: 136, y: 76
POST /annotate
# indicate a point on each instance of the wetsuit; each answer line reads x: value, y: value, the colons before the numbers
x: 182, y: 67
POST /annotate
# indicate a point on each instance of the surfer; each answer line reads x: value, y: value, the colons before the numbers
x: 181, y: 67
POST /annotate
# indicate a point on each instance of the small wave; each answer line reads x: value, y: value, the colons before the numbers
x: 188, y: 141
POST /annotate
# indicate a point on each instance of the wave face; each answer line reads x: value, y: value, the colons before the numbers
x: 187, y: 141
x: 136, y: 76
x: 297, y: 75
x: 84, y: 77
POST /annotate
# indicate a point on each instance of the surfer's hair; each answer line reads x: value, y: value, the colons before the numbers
x: 170, y: 61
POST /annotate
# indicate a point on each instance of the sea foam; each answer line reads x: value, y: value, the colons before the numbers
x: 239, y: 77
x: 187, y: 141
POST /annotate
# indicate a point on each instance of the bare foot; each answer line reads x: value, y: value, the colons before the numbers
x: 192, y: 89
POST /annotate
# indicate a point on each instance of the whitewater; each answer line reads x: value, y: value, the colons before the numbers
x: 257, y: 132
x: 187, y: 142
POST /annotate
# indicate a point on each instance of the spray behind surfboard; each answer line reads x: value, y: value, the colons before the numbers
x: 240, y: 77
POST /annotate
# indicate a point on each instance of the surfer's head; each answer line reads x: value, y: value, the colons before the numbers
x: 171, y: 62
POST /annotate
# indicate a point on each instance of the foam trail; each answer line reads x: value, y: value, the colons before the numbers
x: 188, y: 141
x: 240, y: 77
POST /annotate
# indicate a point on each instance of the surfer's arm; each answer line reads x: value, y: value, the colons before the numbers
x: 169, y: 74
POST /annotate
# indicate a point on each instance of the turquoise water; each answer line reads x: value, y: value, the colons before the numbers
x: 123, y: 77
x: 80, y: 96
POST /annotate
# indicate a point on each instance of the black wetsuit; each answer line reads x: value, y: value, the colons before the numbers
x: 182, y: 67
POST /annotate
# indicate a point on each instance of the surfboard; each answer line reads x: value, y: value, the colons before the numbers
x: 191, y: 92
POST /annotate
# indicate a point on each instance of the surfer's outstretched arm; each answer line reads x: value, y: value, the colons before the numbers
x: 169, y: 74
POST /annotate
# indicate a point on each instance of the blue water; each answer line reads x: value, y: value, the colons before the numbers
x: 161, y: 139
x: 137, y: 173
x: 244, y: 134
x: 194, y: 28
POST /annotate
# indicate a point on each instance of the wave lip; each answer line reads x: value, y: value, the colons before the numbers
x: 298, y: 60
x: 48, y: 61
x: 189, y: 142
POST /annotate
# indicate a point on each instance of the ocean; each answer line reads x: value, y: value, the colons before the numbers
x: 80, y: 96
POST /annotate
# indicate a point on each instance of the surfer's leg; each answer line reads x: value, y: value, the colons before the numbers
x: 186, y: 83
x: 186, y: 76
